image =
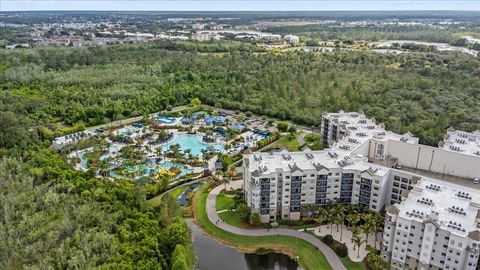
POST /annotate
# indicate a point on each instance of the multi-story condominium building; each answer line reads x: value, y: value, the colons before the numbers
x: 370, y: 166
x: 436, y: 226
x: 357, y: 134
x: 278, y: 183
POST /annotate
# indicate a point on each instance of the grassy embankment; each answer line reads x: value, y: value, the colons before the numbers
x: 309, y: 257
x: 230, y: 217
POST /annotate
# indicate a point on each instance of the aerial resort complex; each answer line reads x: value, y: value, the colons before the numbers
x: 429, y: 194
x: 240, y: 135
x: 173, y: 146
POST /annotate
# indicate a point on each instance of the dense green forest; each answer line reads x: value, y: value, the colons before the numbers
x: 56, y: 218
x: 374, y: 33
x: 419, y: 92
x: 53, y: 216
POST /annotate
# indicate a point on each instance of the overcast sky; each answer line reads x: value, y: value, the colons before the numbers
x: 231, y: 5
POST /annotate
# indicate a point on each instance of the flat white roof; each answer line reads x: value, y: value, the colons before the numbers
x: 359, y: 128
x: 266, y: 163
x: 467, y: 143
x: 450, y: 204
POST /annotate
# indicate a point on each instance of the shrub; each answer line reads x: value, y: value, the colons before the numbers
x: 339, y: 248
x: 292, y: 130
x: 328, y: 239
x: 255, y: 219
x: 283, y: 127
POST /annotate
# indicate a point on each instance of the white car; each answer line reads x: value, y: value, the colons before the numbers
x: 476, y: 180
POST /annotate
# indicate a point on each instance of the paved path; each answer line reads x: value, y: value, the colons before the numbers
x: 301, y: 138
x: 331, y: 257
x: 353, y: 251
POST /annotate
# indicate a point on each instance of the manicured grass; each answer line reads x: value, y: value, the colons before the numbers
x: 351, y: 265
x: 309, y: 257
x: 232, y: 218
x: 224, y: 202
x: 311, y: 138
x: 289, y: 141
x: 177, y: 191
x: 174, y: 192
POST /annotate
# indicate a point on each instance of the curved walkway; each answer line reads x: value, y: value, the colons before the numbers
x: 301, y: 138
x: 331, y: 257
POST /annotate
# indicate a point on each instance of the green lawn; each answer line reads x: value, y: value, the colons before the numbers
x: 174, y: 192
x: 289, y: 141
x: 224, y: 202
x: 232, y: 218
x: 351, y: 265
x: 309, y: 257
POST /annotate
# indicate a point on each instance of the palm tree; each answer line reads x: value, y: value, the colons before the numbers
x: 218, y: 174
x: 307, y: 210
x: 339, y: 220
x: 225, y: 181
x: 330, y: 217
x: 355, y: 231
x: 103, y: 167
x: 369, y: 225
x: 322, y: 214
x: 231, y: 172
x: 357, y: 239
x: 374, y: 260
x: 353, y: 219
x: 379, y: 223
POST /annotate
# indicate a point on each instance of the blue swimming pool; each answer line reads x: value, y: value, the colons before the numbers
x: 192, y: 142
x: 165, y: 119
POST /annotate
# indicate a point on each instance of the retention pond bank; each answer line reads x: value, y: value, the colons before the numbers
x: 212, y: 255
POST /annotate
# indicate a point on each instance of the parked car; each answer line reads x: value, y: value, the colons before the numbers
x: 476, y: 180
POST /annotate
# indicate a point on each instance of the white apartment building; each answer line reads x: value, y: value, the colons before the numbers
x: 291, y: 39
x: 436, y: 226
x: 206, y: 36
x: 198, y: 26
x: 278, y: 183
x: 368, y: 165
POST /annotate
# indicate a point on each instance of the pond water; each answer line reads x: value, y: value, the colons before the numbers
x: 192, y: 142
x: 212, y: 255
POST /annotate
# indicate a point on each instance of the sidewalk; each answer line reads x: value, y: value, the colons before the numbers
x: 347, y: 240
x: 331, y: 257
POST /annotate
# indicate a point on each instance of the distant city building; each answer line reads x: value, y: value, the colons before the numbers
x: 291, y: 39
x: 271, y: 37
x: 171, y: 37
x: 18, y: 45
x: 241, y: 27
x: 206, y: 36
x: 198, y: 26
x: 216, y: 27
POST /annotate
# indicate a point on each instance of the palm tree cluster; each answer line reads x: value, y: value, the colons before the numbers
x: 358, y: 220
x: 375, y: 261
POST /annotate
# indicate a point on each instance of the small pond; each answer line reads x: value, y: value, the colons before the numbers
x: 213, y: 255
